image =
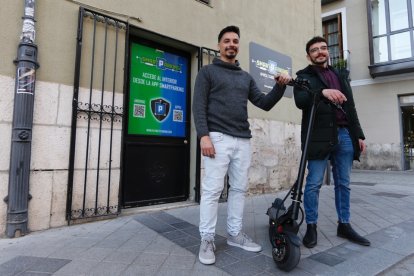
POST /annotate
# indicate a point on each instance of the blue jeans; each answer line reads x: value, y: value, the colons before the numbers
x: 232, y: 157
x: 341, y: 160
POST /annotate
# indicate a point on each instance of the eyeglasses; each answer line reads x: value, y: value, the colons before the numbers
x: 316, y: 49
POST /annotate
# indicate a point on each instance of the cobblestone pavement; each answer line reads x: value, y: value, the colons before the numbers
x: 403, y: 268
x: 165, y: 241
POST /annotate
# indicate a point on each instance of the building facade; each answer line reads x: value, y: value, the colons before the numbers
x: 374, y: 39
x: 107, y: 133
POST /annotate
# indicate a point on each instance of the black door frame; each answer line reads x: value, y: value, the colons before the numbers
x: 156, y: 40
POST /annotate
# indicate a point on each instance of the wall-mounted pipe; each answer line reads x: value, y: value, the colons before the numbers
x: 21, y: 140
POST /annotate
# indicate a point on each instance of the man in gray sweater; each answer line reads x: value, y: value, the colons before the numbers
x: 222, y: 90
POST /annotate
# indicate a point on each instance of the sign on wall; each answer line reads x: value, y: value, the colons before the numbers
x: 158, y: 91
x: 265, y: 63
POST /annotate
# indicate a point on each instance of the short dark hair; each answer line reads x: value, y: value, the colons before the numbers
x: 229, y: 29
x: 313, y: 40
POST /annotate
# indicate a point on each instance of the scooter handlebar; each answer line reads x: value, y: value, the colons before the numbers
x: 300, y: 83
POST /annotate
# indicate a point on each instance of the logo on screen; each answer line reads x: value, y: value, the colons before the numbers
x: 163, y: 64
x: 160, y: 108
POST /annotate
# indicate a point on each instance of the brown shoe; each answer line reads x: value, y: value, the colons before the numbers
x: 311, y: 237
x: 345, y: 231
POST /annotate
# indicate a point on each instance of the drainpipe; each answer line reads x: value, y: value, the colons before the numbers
x: 21, y: 141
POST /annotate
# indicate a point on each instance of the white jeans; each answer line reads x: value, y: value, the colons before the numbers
x: 233, y: 157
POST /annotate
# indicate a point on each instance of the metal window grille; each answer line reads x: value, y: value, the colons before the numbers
x: 94, y: 162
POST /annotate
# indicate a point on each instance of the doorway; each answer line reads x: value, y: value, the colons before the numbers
x: 407, y: 119
x: 156, y: 146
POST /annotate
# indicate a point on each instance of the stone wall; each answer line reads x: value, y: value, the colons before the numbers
x: 50, y: 154
x: 381, y: 157
x: 6, y: 117
x: 275, y: 155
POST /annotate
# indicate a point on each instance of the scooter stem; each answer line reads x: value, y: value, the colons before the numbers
x: 297, y: 195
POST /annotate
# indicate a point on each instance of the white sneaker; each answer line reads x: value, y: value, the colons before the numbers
x: 243, y: 241
x: 206, y: 253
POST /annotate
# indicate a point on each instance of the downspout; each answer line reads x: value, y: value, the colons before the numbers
x: 21, y: 140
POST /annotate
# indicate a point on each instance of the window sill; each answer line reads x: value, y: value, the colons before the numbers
x: 391, y: 69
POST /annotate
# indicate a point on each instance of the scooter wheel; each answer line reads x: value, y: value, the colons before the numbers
x: 285, y: 254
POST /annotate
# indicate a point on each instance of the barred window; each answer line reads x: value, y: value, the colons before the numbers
x: 332, y: 32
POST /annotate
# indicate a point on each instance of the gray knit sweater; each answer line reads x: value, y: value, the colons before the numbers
x: 220, y: 99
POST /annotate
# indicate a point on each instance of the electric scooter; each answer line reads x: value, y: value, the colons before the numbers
x: 283, y: 222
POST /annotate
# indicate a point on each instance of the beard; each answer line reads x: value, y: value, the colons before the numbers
x: 318, y: 61
x: 232, y: 54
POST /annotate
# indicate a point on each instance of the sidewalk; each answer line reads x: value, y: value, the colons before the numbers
x: 166, y: 242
